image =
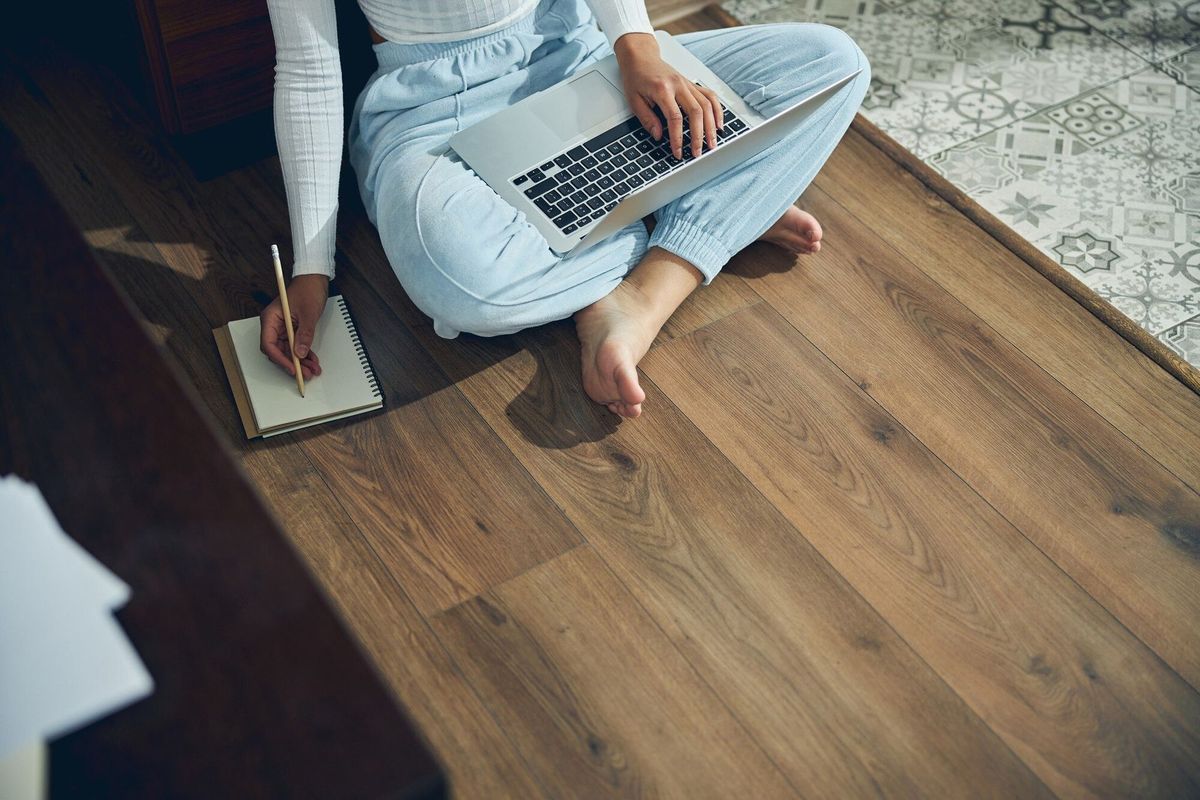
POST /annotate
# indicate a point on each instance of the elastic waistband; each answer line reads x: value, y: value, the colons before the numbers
x: 392, y: 55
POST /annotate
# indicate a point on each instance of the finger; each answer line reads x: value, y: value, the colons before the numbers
x: 269, y: 339
x: 279, y: 355
x: 718, y: 109
x: 310, y: 364
x: 305, y: 329
x: 710, y: 123
x: 646, y: 115
x: 670, y: 110
x: 695, y: 113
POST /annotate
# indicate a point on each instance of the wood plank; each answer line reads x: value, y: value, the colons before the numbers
x: 1087, y: 706
x: 161, y: 281
x: 221, y: 74
x: 685, y: 16
x: 839, y: 702
x: 1157, y: 412
x: 594, y: 694
x: 440, y: 497
x: 258, y: 690
x: 1117, y: 521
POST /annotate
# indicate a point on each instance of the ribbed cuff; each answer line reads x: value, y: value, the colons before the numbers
x: 619, y: 17
x: 312, y: 269
x: 693, y: 244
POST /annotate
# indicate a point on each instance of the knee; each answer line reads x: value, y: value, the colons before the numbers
x: 835, y: 49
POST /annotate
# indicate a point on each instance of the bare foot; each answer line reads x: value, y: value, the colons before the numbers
x: 797, y: 231
x: 615, y: 332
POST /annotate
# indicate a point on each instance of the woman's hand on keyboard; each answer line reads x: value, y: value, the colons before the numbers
x: 651, y: 83
x: 306, y: 300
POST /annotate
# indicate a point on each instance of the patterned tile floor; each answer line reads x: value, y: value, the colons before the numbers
x: 1077, y: 122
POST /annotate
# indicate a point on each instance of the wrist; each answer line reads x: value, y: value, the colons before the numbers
x: 311, y: 279
x: 635, y: 45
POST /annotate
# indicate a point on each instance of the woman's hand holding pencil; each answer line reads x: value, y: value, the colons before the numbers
x: 306, y: 297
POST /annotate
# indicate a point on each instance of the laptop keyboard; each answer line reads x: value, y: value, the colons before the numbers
x: 581, y: 185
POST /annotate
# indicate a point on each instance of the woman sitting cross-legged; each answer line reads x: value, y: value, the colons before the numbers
x: 469, y: 259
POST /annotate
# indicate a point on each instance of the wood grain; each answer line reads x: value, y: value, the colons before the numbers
x: 1046, y: 460
x: 1087, y: 706
x: 594, y: 694
x: 257, y: 689
x: 1035, y: 258
x: 164, y: 282
x: 976, y: 667
x: 838, y: 701
x: 1134, y: 394
x: 445, y: 543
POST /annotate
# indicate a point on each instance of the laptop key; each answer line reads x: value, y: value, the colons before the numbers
x: 647, y: 174
x: 645, y: 147
x: 592, y: 175
x: 552, y: 196
x: 563, y: 177
x: 635, y: 181
x: 517, y: 181
x: 595, y: 203
x: 628, y: 141
x: 547, y: 206
x: 546, y: 166
x: 611, y: 135
x: 592, y: 190
x: 539, y: 189
x: 569, y: 228
x: 644, y: 161
x: 535, y: 175
x: 577, y: 153
x: 619, y: 175
x: 619, y: 161
x: 622, y: 188
x: 589, y: 162
x: 605, y: 182
x: 578, y: 197
x: 738, y: 125
x: 660, y: 167
x: 579, y: 182
x: 566, y: 219
x: 606, y: 167
x: 576, y: 169
x: 563, y: 161
x: 609, y: 207
x: 608, y: 195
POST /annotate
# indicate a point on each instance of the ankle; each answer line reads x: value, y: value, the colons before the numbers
x: 663, y: 280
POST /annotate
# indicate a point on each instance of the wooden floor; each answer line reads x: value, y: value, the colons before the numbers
x: 899, y: 519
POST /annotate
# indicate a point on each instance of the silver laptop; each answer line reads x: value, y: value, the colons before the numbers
x: 580, y: 165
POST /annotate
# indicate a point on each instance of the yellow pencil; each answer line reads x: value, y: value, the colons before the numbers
x: 287, y: 318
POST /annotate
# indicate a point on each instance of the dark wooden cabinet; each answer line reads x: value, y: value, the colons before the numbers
x: 209, y: 62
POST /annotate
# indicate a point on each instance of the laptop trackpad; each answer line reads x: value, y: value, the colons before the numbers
x: 572, y: 108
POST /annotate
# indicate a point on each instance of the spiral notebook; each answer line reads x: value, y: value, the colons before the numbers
x: 266, y: 396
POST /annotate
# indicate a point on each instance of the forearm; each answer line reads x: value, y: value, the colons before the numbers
x: 308, y: 126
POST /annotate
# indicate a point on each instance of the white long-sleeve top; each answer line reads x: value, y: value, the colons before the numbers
x: 308, y: 90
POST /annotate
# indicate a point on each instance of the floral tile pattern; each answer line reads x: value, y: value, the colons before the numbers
x: 1076, y: 122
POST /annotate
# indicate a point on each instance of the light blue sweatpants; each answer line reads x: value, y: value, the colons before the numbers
x: 474, y: 263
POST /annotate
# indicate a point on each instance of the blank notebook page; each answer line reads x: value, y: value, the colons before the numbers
x: 344, y: 384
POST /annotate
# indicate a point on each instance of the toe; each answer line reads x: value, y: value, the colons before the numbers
x: 627, y: 384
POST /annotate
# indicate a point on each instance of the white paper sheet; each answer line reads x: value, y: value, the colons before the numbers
x: 64, y: 660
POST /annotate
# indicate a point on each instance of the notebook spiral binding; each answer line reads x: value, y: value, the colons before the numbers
x: 363, y: 359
